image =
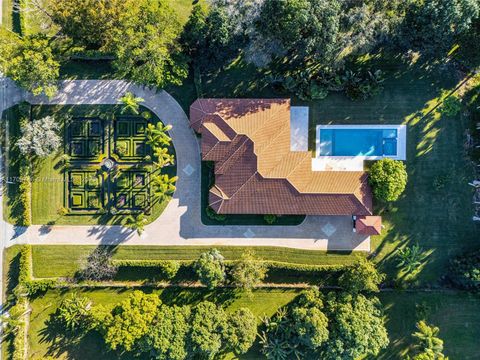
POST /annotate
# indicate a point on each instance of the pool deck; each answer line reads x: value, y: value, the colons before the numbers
x: 355, y: 163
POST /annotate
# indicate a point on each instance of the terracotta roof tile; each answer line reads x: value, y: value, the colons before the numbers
x: 255, y: 171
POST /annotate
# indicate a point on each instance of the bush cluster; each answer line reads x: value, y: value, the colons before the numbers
x: 212, y: 214
x: 337, y: 326
x: 144, y: 326
x: 464, y: 271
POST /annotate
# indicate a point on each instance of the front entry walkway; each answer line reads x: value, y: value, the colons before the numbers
x: 180, y: 222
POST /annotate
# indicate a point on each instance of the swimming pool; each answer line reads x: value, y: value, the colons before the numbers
x: 367, y: 142
x: 358, y: 142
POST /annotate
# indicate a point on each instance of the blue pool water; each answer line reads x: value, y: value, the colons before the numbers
x: 358, y: 142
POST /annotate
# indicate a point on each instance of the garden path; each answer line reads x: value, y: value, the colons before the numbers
x: 180, y: 223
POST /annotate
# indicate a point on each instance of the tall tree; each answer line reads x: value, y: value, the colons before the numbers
x: 30, y: 61
x: 210, y: 268
x: 131, y: 320
x: 208, y: 324
x: 432, y: 26
x: 145, y: 44
x: 241, y: 331
x: 305, y: 29
x: 361, y: 276
x: 248, y: 271
x: 40, y: 137
x: 167, y: 338
x: 357, y: 327
x: 209, y: 37
x: 88, y: 23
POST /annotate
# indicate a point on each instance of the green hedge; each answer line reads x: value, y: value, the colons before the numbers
x: 278, y: 272
x: 26, y: 285
x: 25, y: 193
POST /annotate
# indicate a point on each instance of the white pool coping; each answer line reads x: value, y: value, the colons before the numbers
x: 299, y: 128
x: 355, y: 163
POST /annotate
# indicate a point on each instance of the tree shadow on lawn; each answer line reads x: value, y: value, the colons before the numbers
x: 192, y: 296
x: 74, y: 345
x: 436, y: 217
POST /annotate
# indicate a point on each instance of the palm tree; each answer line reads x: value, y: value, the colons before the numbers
x: 137, y: 223
x: 410, y: 258
x: 164, y: 185
x: 131, y: 103
x: 74, y: 311
x: 163, y: 157
x: 12, y: 320
x: 157, y: 135
x: 428, y: 341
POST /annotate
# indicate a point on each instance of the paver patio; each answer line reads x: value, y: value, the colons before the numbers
x: 180, y: 222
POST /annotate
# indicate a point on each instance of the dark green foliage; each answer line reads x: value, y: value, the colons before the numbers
x: 241, y: 331
x: 362, y: 85
x: 388, y: 179
x: 210, y: 268
x: 209, y: 38
x: 361, y: 276
x: 208, y: 324
x: 212, y: 214
x: 433, y: 26
x: 168, y: 337
x: 304, y: 29
x: 300, y: 329
x: 464, y: 271
x: 347, y: 327
x: 356, y: 328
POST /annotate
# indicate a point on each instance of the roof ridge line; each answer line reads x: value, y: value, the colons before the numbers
x: 237, y: 149
x: 245, y: 183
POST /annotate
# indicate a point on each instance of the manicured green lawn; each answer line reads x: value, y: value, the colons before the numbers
x: 65, y: 260
x: 455, y: 313
x: 45, y: 339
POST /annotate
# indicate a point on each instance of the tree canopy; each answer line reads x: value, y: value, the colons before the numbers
x: 357, y: 327
x: 361, y: 276
x: 30, y: 61
x: 432, y: 26
x: 145, y: 44
x: 210, y: 268
x: 40, y: 137
x: 388, y: 179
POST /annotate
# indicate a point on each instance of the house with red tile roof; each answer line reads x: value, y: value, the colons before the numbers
x: 256, y: 172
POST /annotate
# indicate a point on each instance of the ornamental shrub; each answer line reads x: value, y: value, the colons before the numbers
x: 388, y: 179
x: 210, y: 268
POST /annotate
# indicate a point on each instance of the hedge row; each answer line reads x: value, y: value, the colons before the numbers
x: 26, y: 285
x: 325, y: 274
x: 25, y: 193
x: 279, y: 265
x: 24, y: 174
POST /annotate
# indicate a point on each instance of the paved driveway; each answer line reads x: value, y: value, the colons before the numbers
x: 180, y: 223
